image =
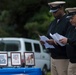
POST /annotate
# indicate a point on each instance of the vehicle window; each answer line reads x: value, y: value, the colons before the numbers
x: 28, y: 46
x: 9, y: 45
x: 37, y: 47
x: 45, y: 49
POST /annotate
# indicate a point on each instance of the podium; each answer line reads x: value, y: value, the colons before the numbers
x: 20, y: 71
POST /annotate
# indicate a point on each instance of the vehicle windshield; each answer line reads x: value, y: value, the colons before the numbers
x: 9, y: 45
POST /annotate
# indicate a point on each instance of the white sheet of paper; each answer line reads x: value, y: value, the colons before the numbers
x: 57, y: 37
x: 44, y: 38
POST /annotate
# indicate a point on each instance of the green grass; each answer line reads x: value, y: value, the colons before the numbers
x: 48, y: 73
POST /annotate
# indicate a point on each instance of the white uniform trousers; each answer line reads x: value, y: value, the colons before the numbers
x: 59, y: 66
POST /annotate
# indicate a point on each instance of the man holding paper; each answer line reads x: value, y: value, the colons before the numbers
x: 70, y: 41
x: 59, y: 59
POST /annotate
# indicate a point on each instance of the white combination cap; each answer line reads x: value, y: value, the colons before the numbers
x: 54, y: 6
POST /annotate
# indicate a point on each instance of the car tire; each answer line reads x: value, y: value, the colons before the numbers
x: 44, y: 71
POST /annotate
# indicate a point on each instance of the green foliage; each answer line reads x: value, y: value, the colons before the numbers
x: 39, y: 23
x: 21, y: 17
x: 4, y: 16
x: 5, y: 29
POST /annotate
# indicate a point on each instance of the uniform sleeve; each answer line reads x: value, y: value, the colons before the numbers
x: 71, y: 42
x: 49, y: 28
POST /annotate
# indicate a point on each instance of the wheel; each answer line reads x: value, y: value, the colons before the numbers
x: 44, y: 71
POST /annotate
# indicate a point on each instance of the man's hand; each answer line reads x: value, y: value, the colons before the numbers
x: 42, y: 42
x: 63, y: 41
x: 50, y: 41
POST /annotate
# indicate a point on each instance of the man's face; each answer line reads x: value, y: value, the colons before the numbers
x: 73, y: 20
x: 57, y: 14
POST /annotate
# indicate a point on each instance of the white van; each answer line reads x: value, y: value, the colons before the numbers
x: 42, y: 58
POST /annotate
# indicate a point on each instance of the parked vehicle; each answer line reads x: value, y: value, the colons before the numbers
x: 42, y: 58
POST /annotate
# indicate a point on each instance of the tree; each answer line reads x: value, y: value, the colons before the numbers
x: 20, y: 15
x: 39, y: 23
